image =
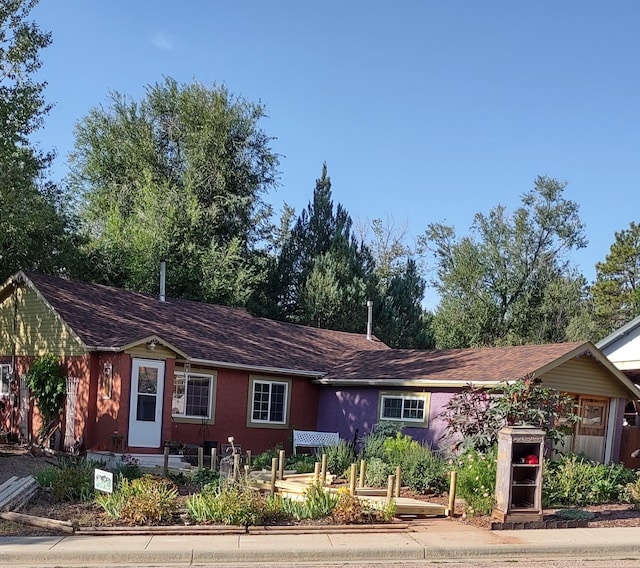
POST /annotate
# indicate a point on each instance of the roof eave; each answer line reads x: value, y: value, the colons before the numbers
x: 373, y: 382
x: 256, y: 368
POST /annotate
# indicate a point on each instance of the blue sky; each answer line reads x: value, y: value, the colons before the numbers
x: 425, y: 111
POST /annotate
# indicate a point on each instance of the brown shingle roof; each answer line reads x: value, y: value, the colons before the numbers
x: 110, y: 318
x: 456, y: 365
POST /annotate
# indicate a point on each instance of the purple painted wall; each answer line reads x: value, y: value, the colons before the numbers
x: 345, y: 410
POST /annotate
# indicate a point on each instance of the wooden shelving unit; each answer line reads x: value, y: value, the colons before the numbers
x: 519, y: 474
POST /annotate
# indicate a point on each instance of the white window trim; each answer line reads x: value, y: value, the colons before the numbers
x: 186, y: 386
x: 285, y: 409
x: 423, y: 396
x: 5, y: 371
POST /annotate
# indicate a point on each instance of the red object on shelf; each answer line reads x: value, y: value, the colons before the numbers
x: 531, y: 459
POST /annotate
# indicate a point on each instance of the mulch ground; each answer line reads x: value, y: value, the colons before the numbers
x: 20, y: 462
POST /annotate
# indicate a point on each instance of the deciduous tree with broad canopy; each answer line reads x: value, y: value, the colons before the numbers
x: 509, y: 282
x: 178, y: 176
x: 37, y: 231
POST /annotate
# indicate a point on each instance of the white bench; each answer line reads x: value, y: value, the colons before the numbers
x: 312, y: 439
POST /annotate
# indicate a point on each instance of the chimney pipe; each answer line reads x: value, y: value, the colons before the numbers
x: 163, y: 279
x: 369, y: 318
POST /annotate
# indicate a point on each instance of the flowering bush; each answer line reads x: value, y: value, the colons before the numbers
x: 477, y: 480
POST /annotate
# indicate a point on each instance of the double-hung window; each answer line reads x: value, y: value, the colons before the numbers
x: 192, y: 394
x: 269, y: 401
x: 405, y: 407
x: 5, y: 377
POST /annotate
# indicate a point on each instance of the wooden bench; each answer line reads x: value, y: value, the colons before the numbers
x: 313, y: 439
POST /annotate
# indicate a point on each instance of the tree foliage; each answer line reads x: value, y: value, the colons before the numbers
x: 322, y: 276
x: 47, y: 384
x: 37, y: 231
x: 616, y: 291
x: 177, y: 176
x: 503, y: 283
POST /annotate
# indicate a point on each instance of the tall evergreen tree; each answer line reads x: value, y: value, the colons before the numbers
x: 616, y: 291
x: 322, y: 276
x: 401, y: 322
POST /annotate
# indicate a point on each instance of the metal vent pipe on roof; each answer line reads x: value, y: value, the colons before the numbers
x: 369, y: 319
x: 163, y: 280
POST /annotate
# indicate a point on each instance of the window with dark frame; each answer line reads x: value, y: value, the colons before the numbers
x: 269, y: 402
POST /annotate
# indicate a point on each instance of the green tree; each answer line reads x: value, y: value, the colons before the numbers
x: 400, y: 320
x: 616, y: 291
x: 504, y: 282
x: 37, y: 231
x: 179, y: 176
x: 322, y: 276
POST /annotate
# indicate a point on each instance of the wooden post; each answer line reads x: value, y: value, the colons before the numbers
x: 390, y: 484
x: 363, y: 473
x: 249, y: 458
x: 453, y: 484
x: 352, y: 479
x: 398, y: 481
x: 323, y: 468
x: 316, y: 472
x: 281, y: 465
x: 200, y: 457
x: 214, y: 459
x: 274, y: 474
x: 236, y: 467
x: 165, y: 466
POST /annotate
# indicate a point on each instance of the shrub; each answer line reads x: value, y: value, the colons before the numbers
x: 340, y: 458
x: 474, y: 416
x: 575, y: 481
x: 423, y: 471
x: 128, y: 467
x: 301, y: 463
x: 477, y: 480
x: 632, y: 493
x: 575, y: 514
x: 143, y: 501
x: 228, y: 505
x: 351, y: 510
x: 263, y: 460
x: 71, y: 480
x: 373, y: 447
x: 317, y: 504
x: 378, y: 472
x: 396, y: 449
x: 205, y: 477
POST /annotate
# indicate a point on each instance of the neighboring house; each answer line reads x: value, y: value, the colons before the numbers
x: 143, y: 372
x: 622, y: 348
x: 412, y: 387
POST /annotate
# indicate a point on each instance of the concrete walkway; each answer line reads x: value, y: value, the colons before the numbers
x: 430, y: 540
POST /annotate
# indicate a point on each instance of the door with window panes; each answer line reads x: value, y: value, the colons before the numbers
x: 145, y: 411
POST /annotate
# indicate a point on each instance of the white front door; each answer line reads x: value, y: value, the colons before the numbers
x: 145, y: 410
